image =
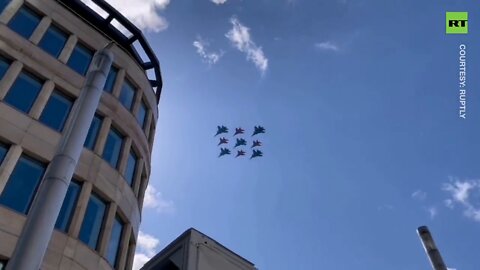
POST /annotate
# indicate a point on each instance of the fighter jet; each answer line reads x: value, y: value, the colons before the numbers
x: 224, y: 151
x: 240, y: 153
x: 256, y: 143
x: 258, y: 130
x: 240, y: 142
x: 223, y: 140
x: 239, y: 131
x: 221, y: 129
x: 256, y: 153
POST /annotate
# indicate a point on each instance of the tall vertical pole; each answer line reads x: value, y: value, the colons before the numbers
x: 431, y: 249
x: 38, y: 229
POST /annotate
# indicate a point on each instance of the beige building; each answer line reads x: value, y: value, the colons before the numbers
x: 194, y: 250
x: 45, y: 49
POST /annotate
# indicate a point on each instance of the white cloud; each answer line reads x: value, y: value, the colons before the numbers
x: 432, y: 211
x: 327, y: 46
x: 461, y: 193
x: 449, y: 203
x: 139, y: 260
x: 146, y: 249
x: 240, y: 37
x: 460, y: 190
x: 419, y: 195
x: 208, y: 57
x: 219, y: 2
x: 154, y: 199
x: 143, y: 13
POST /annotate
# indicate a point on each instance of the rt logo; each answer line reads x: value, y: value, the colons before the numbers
x: 457, y: 23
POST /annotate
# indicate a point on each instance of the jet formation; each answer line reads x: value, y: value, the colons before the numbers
x: 240, y: 142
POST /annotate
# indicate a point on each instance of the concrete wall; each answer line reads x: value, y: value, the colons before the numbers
x: 206, y: 254
x: 196, y: 251
x: 26, y: 135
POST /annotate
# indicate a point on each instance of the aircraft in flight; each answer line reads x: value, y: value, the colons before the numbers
x: 256, y: 153
x: 256, y: 143
x: 239, y: 131
x: 258, y: 130
x: 223, y: 140
x: 221, y: 129
x: 240, y: 153
x: 240, y: 142
x: 224, y: 151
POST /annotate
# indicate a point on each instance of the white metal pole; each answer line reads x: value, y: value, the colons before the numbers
x: 431, y: 249
x: 38, y: 229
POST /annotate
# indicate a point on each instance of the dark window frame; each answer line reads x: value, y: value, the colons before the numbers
x: 31, y: 76
x: 117, y: 70
x: 119, y: 247
x: 135, y: 91
x: 122, y: 146
x: 72, y: 213
x: 58, y: 28
x: 8, y: 63
x: 67, y: 97
x: 131, y: 182
x: 81, y: 45
x: 37, y: 162
x: 147, y: 111
x: 101, y: 230
x: 95, y: 140
x: 32, y: 11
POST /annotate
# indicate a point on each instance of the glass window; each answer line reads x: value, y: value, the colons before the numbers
x: 3, y: 5
x: 93, y: 132
x: 127, y: 94
x: 114, y: 244
x: 112, y: 76
x: 114, y: 143
x: 23, y: 92
x: 142, y: 114
x: 56, y: 111
x: 131, y: 166
x: 3, y: 152
x: 24, y: 22
x: 68, y: 206
x: 92, y: 222
x: 4, y: 64
x: 22, y: 184
x: 80, y: 59
x: 53, y: 41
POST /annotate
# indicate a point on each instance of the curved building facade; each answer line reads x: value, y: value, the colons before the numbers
x: 46, y: 47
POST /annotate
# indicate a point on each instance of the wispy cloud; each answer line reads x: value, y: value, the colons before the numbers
x: 143, y: 13
x: 327, y: 46
x: 385, y: 207
x: 155, y: 200
x: 432, y: 211
x: 240, y: 37
x: 202, y: 50
x: 461, y: 193
x: 146, y: 248
x: 219, y: 2
x: 419, y: 195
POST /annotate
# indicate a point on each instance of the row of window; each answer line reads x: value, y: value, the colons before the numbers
x: 53, y: 42
x: 20, y: 191
x: 23, y: 94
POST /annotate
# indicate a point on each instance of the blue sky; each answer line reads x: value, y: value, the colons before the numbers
x: 364, y: 142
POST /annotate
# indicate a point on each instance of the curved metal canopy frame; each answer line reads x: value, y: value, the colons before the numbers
x: 127, y: 43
